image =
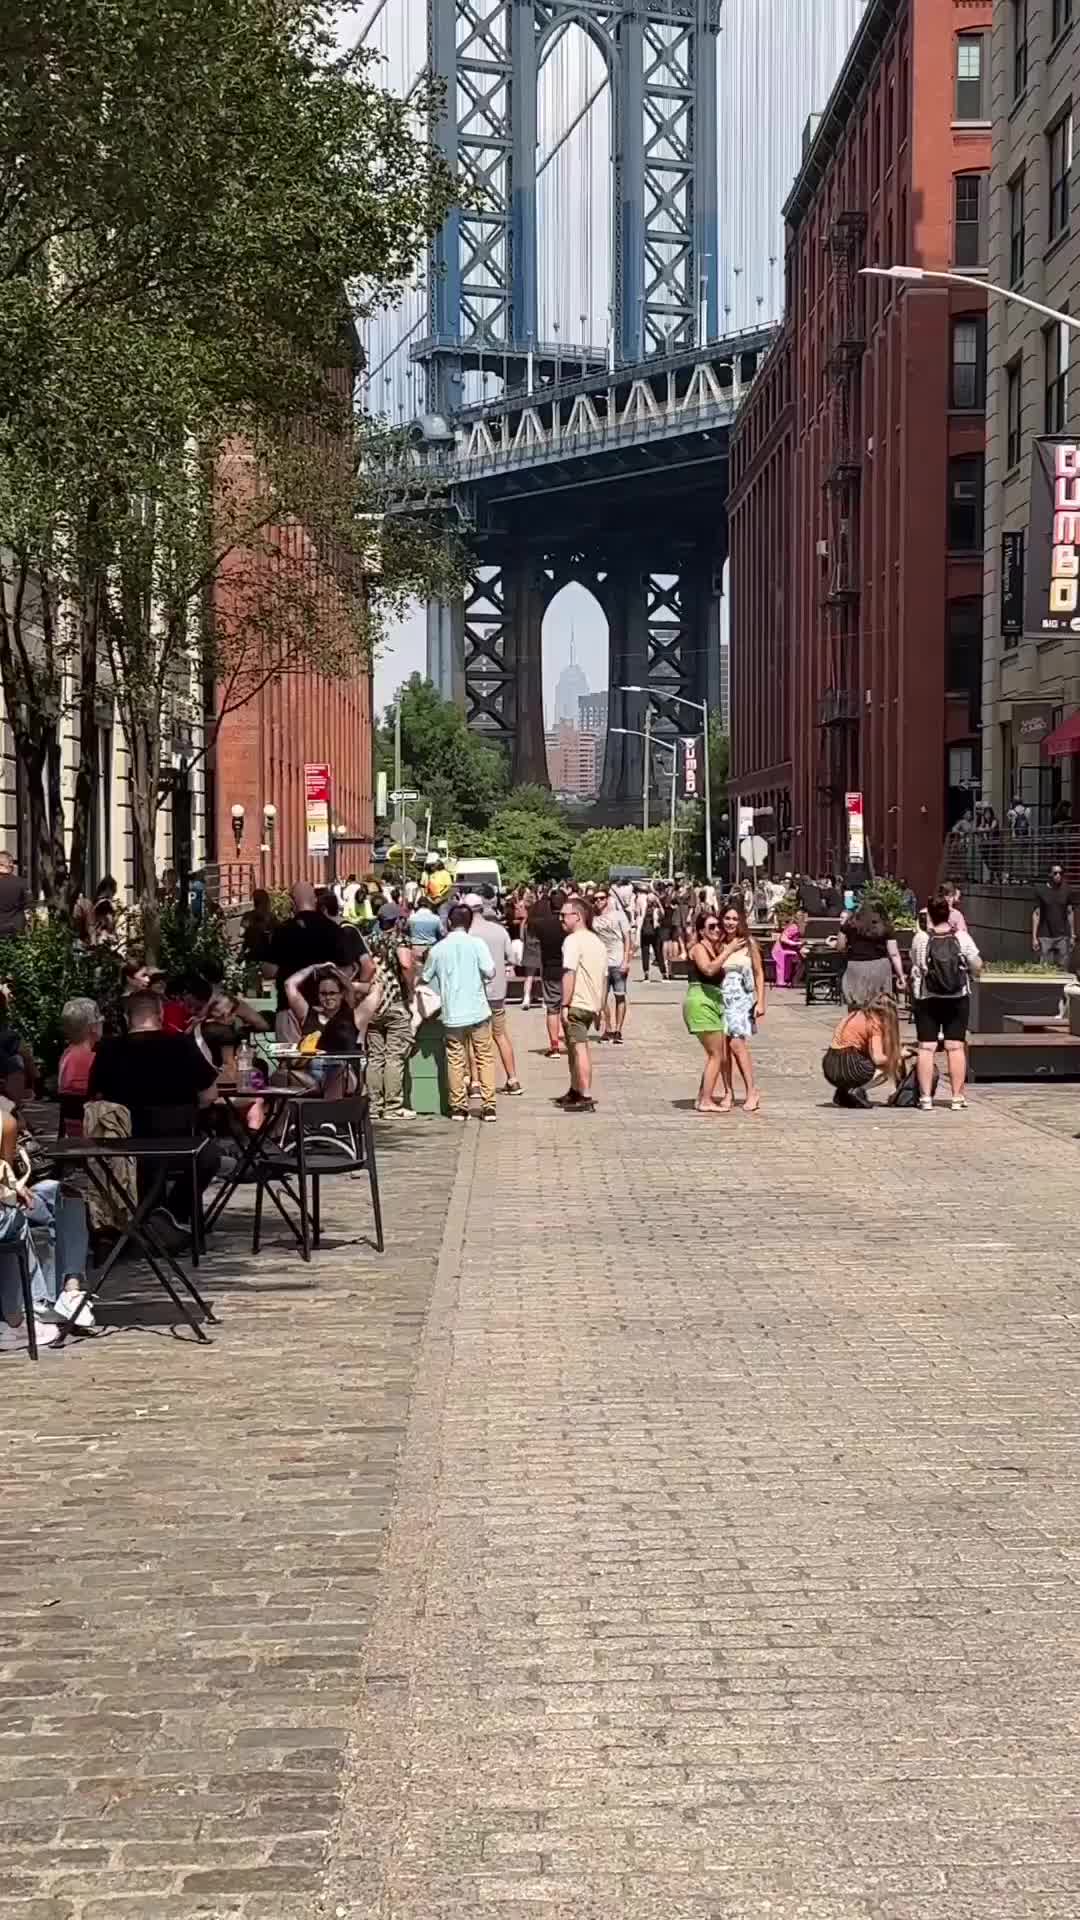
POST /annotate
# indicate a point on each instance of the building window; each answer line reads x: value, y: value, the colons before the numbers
x: 1056, y: 350
x: 966, y: 503
x: 1059, y: 142
x: 969, y: 237
x: 1016, y: 230
x: 1019, y: 46
x: 1013, y: 388
x: 968, y: 376
x: 1061, y: 17
x: 963, y: 654
x: 971, y: 75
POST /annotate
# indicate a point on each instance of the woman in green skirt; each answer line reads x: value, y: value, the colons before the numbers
x: 703, y: 1011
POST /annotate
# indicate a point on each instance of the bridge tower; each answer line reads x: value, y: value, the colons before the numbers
x: 661, y: 604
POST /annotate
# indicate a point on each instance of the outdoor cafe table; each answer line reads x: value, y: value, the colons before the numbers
x: 169, y: 1155
x: 256, y: 1145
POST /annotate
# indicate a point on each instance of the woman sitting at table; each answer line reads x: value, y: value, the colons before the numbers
x: 61, y: 1217
x: 787, y: 956
x: 333, y: 1022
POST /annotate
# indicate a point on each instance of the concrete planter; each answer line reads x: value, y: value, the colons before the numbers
x: 995, y: 995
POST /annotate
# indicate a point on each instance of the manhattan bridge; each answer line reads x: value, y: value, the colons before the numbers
x: 573, y: 358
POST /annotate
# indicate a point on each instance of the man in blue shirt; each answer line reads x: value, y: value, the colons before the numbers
x: 459, y: 968
x: 425, y: 927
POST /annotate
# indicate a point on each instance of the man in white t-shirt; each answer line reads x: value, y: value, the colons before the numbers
x: 584, y: 990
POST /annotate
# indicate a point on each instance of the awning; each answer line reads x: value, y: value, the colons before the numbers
x: 1065, y: 738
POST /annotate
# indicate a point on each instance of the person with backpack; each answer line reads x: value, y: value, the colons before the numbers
x: 942, y: 964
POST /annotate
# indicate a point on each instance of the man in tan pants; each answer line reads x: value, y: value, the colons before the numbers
x: 459, y: 968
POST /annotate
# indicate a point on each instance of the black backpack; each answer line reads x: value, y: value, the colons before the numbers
x: 946, y: 973
x: 907, y: 1093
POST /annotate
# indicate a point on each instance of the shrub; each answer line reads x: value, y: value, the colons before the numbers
x: 46, y: 966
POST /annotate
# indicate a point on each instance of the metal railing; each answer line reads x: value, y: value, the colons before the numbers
x: 1011, y: 861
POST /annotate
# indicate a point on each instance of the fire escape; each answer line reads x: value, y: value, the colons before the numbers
x: 838, y: 705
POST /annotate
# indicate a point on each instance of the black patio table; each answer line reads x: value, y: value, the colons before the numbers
x: 257, y: 1145
x: 170, y: 1154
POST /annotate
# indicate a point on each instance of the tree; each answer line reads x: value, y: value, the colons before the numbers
x: 529, y: 845
x: 186, y: 199
x: 460, y: 777
x: 605, y: 847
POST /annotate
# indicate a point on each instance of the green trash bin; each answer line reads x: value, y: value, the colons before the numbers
x: 428, y: 1087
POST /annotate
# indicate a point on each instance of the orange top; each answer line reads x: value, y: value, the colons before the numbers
x: 855, y: 1032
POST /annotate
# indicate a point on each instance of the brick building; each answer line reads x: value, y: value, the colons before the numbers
x: 857, y: 465
x: 297, y: 719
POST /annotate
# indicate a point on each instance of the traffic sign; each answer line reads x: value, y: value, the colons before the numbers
x: 403, y: 794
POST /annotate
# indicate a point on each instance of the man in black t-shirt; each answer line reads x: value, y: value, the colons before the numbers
x: 145, y: 1070
x: 1052, y: 930
x: 308, y: 940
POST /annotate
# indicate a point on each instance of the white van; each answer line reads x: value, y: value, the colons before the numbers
x: 471, y: 873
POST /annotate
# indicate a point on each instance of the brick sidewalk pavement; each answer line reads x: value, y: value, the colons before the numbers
x: 734, y: 1566
x: 191, y: 1544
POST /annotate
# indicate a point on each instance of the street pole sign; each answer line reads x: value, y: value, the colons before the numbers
x: 317, y: 808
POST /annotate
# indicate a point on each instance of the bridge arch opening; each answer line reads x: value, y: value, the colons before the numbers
x: 575, y: 647
x: 575, y: 231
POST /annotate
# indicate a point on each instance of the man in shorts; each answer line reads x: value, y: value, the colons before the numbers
x: 611, y: 925
x: 584, y: 990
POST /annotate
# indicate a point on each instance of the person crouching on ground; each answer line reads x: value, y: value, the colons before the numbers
x: 865, y: 1046
x: 584, y: 990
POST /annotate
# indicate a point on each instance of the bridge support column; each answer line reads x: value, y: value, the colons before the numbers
x: 524, y: 659
x: 446, y: 648
x: 628, y: 665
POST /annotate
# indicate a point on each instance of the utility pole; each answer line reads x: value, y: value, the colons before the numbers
x: 671, y: 826
x: 708, y: 795
x: 645, y: 776
x: 400, y: 804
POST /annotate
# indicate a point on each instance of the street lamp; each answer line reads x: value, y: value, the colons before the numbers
x: 237, y: 813
x: 702, y: 707
x: 671, y: 747
x: 971, y: 280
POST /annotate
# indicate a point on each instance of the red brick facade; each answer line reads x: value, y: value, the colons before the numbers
x: 855, y: 654
x: 297, y: 718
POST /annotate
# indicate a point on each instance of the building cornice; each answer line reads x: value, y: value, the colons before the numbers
x: 878, y: 22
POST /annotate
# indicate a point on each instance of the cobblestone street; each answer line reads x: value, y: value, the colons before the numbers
x: 679, y: 1523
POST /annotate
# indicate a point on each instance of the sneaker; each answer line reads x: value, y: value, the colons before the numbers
x: 513, y: 1086
x: 459, y: 1116
x: 489, y: 1114
x: 581, y: 1106
x: 570, y: 1099
x: 616, y: 1039
x: 958, y: 1103
x: 13, y: 1339
x: 398, y: 1113
x: 926, y: 1105
x: 73, y: 1307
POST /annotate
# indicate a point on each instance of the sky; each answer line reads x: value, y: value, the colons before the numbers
x: 776, y: 63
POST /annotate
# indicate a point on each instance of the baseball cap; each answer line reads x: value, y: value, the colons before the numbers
x: 472, y: 900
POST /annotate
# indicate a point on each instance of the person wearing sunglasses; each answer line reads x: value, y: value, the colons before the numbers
x: 704, y: 1014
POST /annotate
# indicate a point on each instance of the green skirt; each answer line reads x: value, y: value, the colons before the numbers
x: 703, y: 1009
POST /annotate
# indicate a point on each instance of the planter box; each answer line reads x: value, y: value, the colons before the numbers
x: 995, y: 995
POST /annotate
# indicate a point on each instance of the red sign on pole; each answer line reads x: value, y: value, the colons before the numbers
x: 317, y: 807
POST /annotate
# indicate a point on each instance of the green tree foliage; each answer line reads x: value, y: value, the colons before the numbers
x: 460, y: 777
x: 192, y: 198
x: 529, y: 843
x: 532, y: 798
x: 605, y: 847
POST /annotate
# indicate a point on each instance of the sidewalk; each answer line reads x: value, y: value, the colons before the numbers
x: 679, y: 1523
x: 734, y: 1571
